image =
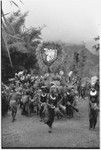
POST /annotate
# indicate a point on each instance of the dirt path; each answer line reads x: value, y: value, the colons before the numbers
x: 30, y: 132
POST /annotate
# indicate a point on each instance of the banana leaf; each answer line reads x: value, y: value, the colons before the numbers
x: 8, y: 27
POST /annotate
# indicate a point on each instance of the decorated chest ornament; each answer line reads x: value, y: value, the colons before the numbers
x: 49, y: 55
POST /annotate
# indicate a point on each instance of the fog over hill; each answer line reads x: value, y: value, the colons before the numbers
x: 92, y: 60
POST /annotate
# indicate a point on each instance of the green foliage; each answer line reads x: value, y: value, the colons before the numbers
x: 18, y: 22
x: 97, y: 46
x: 78, y: 65
x: 21, y: 47
x: 7, y: 29
x: 41, y: 64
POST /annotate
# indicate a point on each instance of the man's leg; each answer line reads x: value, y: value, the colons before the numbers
x: 14, y: 111
x: 51, y: 115
x: 40, y: 113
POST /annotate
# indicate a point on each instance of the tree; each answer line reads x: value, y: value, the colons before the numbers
x: 82, y: 61
x: 97, y: 45
x: 78, y: 65
x: 7, y: 29
x: 74, y: 65
x: 21, y: 47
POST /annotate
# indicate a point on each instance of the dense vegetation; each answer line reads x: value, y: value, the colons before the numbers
x: 21, y: 46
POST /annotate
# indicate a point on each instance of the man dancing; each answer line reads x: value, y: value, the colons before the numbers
x: 51, y: 105
x: 43, y: 99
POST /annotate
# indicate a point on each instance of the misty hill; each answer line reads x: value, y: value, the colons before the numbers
x: 92, y: 60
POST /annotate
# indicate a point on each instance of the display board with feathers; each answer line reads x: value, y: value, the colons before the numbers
x: 53, y: 63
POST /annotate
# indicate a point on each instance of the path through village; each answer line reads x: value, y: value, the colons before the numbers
x: 29, y: 132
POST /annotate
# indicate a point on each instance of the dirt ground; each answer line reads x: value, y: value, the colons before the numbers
x: 28, y: 132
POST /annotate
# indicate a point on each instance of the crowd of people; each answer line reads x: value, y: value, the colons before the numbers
x: 47, y: 96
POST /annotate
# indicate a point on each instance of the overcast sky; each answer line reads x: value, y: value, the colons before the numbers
x: 66, y: 20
